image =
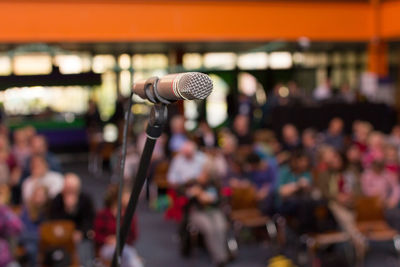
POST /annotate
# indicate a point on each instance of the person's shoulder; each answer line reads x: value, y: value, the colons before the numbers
x: 54, y: 174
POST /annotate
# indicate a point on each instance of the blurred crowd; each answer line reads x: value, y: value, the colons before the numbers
x: 45, y: 217
x: 290, y: 174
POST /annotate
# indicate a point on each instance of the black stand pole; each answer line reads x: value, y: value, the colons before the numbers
x: 158, y: 118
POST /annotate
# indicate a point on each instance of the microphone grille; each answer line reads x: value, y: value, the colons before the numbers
x: 195, y: 85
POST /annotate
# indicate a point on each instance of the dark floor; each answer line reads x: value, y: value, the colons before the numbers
x: 158, y: 240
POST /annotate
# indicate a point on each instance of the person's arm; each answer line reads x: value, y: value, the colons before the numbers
x: 394, y: 197
x: 289, y: 189
x: 173, y: 174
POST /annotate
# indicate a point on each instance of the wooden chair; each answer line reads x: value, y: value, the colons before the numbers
x: 57, y: 234
x: 160, y: 175
x: 370, y: 219
x: 245, y: 212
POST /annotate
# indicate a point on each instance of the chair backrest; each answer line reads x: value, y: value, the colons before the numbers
x: 57, y: 234
x: 368, y: 209
x: 244, y: 197
x: 160, y: 174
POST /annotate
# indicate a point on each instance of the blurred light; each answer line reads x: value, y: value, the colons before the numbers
x: 283, y: 91
x: 192, y: 61
x: 261, y: 96
x: 31, y: 64
x: 124, y: 61
x: 247, y: 84
x: 102, y: 63
x: 125, y: 82
x: 190, y: 109
x: 221, y: 61
x: 69, y: 117
x: 216, y: 106
x: 298, y: 58
x: 253, y: 61
x: 280, y: 60
x: 190, y: 125
x: 69, y: 64
x: 5, y: 65
x: 110, y: 133
x: 150, y: 61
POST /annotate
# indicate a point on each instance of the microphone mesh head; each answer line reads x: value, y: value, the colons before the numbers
x: 195, y: 85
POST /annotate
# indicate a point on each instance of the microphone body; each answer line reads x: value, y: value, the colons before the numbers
x: 172, y: 87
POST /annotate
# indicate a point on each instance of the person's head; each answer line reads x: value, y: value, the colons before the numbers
x: 376, y: 141
x: 39, y: 145
x: 336, y: 162
x: 188, y: 149
x: 309, y: 138
x: 39, y: 197
x: 30, y: 132
x: 395, y: 131
x: 39, y: 166
x: 325, y: 154
x: 229, y: 144
x: 253, y: 161
x: 20, y: 137
x: 335, y: 126
x: 299, y: 162
x: 391, y: 154
x: 361, y: 131
x: 177, y: 124
x: 241, y: 124
x: 290, y: 134
x: 353, y: 154
x: 111, y: 198
x: 71, y: 191
x: 204, y: 127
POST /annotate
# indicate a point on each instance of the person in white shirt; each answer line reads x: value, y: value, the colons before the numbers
x: 187, y: 165
x: 41, y: 175
x: 323, y: 91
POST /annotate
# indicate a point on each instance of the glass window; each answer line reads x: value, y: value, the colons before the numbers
x: 150, y: 61
x: 124, y: 61
x: 31, y: 64
x: 280, y: 60
x: 69, y: 64
x: 102, y: 63
x: 5, y: 65
x: 192, y: 61
x: 253, y: 61
x: 220, y: 61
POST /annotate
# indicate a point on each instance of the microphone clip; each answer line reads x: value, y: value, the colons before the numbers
x: 150, y: 90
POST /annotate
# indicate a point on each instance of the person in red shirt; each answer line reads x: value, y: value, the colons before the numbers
x: 105, y: 226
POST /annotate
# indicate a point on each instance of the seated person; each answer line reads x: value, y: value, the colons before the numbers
x: 330, y: 182
x: 379, y: 182
x: 43, y: 176
x: 261, y: 175
x: 74, y: 205
x: 207, y: 217
x: 10, y: 227
x: 33, y: 214
x: 334, y: 135
x: 294, y: 188
x: 186, y: 165
x: 105, y: 226
x: 39, y: 147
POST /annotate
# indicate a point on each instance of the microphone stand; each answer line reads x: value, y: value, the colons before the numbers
x: 157, y: 120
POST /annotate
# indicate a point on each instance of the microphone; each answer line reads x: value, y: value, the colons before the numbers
x: 172, y: 87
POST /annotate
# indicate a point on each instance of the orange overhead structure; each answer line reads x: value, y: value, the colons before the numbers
x: 180, y: 20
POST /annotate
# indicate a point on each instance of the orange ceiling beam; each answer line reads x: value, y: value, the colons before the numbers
x: 194, y: 20
x: 390, y: 20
